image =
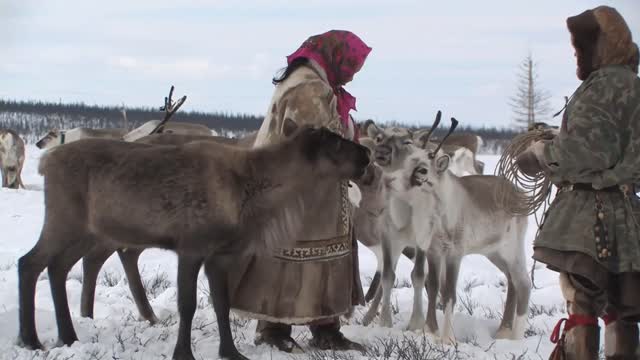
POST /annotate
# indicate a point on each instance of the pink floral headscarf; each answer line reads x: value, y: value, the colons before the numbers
x: 341, y: 54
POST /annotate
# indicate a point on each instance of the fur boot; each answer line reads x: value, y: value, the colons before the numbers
x: 621, y: 340
x: 580, y: 339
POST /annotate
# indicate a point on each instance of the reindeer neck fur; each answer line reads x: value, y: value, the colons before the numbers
x: 446, y: 198
x: 274, y: 182
x: 373, y: 200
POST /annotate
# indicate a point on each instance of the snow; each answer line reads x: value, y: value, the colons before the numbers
x: 116, y: 332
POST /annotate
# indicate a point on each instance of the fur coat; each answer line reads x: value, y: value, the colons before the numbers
x: 317, y: 278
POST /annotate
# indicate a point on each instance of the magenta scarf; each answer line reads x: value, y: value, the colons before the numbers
x: 341, y: 54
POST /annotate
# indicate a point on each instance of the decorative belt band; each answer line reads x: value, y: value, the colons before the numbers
x: 317, y: 250
x: 624, y: 188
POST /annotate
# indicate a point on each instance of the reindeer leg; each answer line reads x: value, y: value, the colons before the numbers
x: 58, y: 270
x: 373, y: 287
x: 129, y: 259
x: 522, y: 286
x: 390, y: 253
x: 375, y: 282
x: 506, y: 325
x: 220, y: 290
x: 433, y: 287
x: 408, y: 251
x: 188, y: 268
x: 91, y: 265
x: 373, y: 307
x: 417, y: 279
x: 452, y: 269
x: 20, y: 183
x: 29, y: 268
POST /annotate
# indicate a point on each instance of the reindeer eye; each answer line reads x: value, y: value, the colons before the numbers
x: 422, y: 171
x: 408, y: 142
x: 378, y: 138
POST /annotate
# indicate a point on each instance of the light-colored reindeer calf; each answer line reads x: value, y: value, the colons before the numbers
x: 11, y: 159
x: 383, y: 225
x: 391, y: 146
x: 170, y: 127
x: 455, y: 216
x: 468, y: 141
x: 210, y: 203
x: 375, y: 229
x: 57, y: 137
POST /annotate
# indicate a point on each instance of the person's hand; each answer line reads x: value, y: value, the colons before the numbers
x: 531, y: 160
x: 550, y: 133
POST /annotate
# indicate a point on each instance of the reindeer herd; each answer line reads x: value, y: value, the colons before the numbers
x: 212, y: 199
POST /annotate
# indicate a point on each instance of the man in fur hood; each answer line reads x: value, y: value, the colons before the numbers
x: 591, y: 233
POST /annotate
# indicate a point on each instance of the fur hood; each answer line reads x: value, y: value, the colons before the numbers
x: 307, y: 98
x: 601, y: 37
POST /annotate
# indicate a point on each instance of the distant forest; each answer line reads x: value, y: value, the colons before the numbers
x: 32, y: 120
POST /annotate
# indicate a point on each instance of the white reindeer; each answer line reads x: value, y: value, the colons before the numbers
x: 374, y: 226
x: 178, y: 128
x: 391, y: 147
x: 454, y: 216
x: 55, y: 137
x: 11, y: 159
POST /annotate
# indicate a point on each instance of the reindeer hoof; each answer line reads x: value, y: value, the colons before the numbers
x: 416, y: 325
x: 386, y: 322
x: 32, y: 345
x: 180, y: 354
x: 66, y: 342
x: 368, y: 318
x: 432, y: 331
x: 446, y: 340
x: 152, y: 320
x: 234, y: 356
x: 504, y: 333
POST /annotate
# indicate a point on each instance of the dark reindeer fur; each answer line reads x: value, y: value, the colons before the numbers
x: 95, y: 259
x: 208, y: 202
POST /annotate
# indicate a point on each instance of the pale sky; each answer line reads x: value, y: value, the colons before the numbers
x: 457, y: 56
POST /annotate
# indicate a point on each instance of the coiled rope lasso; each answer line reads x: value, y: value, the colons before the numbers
x: 534, y: 191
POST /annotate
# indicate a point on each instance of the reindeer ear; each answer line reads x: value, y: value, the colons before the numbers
x: 371, y: 129
x: 289, y: 127
x: 442, y: 163
x: 368, y: 143
x: 421, y: 138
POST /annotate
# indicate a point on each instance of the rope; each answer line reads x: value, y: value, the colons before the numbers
x: 532, y: 191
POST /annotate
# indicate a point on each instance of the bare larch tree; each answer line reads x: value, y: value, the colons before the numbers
x: 529, y: 103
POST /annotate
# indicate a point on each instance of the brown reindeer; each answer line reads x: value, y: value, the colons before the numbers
x: 11, y: 159
x: 95, y: 259
x: 210, y: 203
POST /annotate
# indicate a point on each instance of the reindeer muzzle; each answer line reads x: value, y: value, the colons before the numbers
x: 418, y: 179
x: 382, y: 155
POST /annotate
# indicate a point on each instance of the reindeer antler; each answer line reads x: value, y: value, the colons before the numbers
x: 454, y: 124
x: 433, y: 127
x: 169, y: 109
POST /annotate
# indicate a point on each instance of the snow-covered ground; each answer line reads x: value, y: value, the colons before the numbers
x: 116, y: 332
